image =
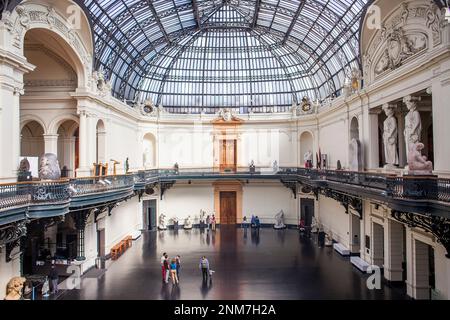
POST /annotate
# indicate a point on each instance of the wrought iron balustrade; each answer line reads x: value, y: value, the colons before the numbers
x: 84, y: 186
x: 29, y: 193
x: 443, y: 190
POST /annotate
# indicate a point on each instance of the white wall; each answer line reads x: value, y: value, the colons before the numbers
x: 187, y: 200
x: 333, y: 217
x: 265, y: 201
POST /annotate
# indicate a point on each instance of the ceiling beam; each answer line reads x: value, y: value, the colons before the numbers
x: 196, y: 13
x: 256, y: 13
x: 294, y: 20
x: 158, y: 21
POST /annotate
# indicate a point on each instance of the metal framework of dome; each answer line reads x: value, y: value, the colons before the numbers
x: 207, y: 54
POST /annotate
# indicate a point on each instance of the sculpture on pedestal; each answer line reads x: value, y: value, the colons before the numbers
x: 413, y: 123
x: 275, y: 166
x: 14, y: 288
x: 202, y: 218
x: 308, y: 157
x: 24, y: 173
x: 252, y: 167
x: 390, y: 137
x: 162, y: 222
x: 49, y: 167
x: 418, y: 164
x: 279, y: 218
x: 314, y: 225
x: 176, y: 168
x: 355, y: 156
x: 188, y: 223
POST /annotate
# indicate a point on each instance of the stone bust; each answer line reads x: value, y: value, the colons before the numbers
x: 14, y: 288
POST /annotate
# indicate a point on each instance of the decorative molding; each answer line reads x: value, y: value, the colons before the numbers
x: 437, y: 226
x: 402, y: 38
x: 12, y: 232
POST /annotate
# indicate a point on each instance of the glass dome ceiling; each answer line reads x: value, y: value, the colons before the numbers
x: 243, y: 54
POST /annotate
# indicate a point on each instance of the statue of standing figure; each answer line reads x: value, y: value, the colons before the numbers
x: 390, y: 137
x: 188, y: 223
x: 413, y: 123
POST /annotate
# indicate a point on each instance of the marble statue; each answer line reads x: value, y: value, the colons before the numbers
x: 390, y: 137
x: 328, y: 240
x: 413, y: 123
x: 226, y: 114
x: 252, y: 167
x: 314, y: 225
x: 49, y: 167
x: 308, y: 158
x: 176, y: 168
x: 188, y: 223
x: 46, y: 288
x: 275, y: 166
x: 24, y: 165
x: 127, y: 165
x: 14, y: 288
x: 279, y: 218
x: 162, y: 222
x: 339, y: 165
x: 202, y: 218
x: 355, y: 156
x: 417, y: 163
x: 175, y: 222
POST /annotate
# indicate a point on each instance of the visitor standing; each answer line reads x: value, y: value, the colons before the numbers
x: 54, y: 277
x: 178, y: 258
x: 167, y: 268
x: 163, y: 268
x: 213, y: 222
x: 173, y: 271
x: 208, y: 222
x: 204, y: 267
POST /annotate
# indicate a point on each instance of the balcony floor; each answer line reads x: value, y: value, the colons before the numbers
x: 276, y: 265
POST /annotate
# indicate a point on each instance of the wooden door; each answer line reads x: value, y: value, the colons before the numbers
x: 228, y: 156
x: 228, y: 207
x: 307, y: 211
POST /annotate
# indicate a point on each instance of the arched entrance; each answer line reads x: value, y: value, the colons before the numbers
x: 68, y: 140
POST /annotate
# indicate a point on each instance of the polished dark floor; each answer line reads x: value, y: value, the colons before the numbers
x: 277, y: 265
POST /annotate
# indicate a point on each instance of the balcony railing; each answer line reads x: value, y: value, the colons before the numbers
x: 398, y: 187
x: 30, y: 193
x: 89, y: 185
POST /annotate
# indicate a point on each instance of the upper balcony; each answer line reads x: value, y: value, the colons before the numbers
x: 423, y: 195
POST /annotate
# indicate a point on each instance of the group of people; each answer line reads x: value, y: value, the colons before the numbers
x: 211, y: 222
x: 170, y: 268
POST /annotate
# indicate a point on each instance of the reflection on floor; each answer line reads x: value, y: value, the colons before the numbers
x: 278, y: 265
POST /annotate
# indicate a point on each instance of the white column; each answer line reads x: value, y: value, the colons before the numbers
x: 393, y: 248
x: 441, y: 116
x: 51, y: 143
x: 84, y: 169
x: 370, y: 128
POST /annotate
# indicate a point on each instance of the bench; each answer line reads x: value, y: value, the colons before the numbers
x: 339, y: 247
x: 116, y: 252
x: 359, y: 263
x: 121, y: 247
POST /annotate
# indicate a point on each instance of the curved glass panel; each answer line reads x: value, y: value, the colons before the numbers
x: 196, y: 54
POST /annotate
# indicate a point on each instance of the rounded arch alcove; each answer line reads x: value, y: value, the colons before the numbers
x: 306, y: 146
x: 149, y: 151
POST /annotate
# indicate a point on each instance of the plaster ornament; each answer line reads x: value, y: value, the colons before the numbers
x: 418, y: 164
x: 279, y: 218
x: 390, y: 137
x: 355, y: 155
x: 226, y: 114
x: 49, y: 167
x: 14, y: 288
x: 413, y: 122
